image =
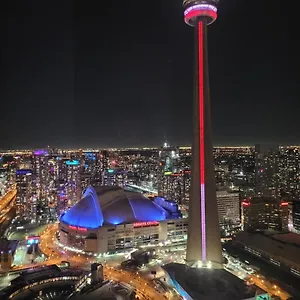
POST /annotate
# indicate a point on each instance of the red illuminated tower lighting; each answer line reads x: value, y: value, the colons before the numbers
x: 204, y: 244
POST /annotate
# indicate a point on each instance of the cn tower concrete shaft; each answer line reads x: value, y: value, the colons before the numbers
x: 204, y: 242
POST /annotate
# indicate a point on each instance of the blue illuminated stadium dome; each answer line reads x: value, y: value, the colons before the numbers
x: 112, y: 206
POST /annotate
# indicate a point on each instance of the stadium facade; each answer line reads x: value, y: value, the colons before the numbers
x: 109, y: 219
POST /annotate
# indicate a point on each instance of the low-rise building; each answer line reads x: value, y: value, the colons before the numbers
x: 277, y: 248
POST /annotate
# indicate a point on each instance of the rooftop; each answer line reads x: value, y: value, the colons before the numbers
x: 283, y: 247
x: 208, y: 284
x: 290, y: 238
x: 112, y: 206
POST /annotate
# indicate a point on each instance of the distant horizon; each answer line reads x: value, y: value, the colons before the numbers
x: 144, y: 147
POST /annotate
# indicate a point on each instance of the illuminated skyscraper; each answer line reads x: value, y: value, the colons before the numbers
x: 261, y: 213
x: 104, y: 161
x: 168, y: 164
x: 175, y: 186
x: 26, y: 210
x: 41, y: 183
x: 204, y: 245
x: 72, y: 184
x: 267, y: 170
x: 228, y: 209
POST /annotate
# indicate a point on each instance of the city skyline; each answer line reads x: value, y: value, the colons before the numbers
x: 99, y: 200
x: 63, y: 85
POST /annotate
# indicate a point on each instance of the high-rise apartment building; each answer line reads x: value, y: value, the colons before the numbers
x: 176, y: 186
x: 92, y: 168
x: 41, y: 182
x: 72, y: 182
x: 267, y: 182
x: 115, y: 178
x: 104, y: 162
x: 289, y: 172
x: 25, y: 204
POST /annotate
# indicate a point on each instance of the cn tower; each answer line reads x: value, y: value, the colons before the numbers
x: 204, y: 243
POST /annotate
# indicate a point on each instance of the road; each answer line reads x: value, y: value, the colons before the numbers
x: 21, y: 234
x: 276, y: 275
x: 7, y: 210
x: 6, y: 220
x: 268, y: 287
x: 239, y: 269
x: 7, y: 202
x: 144, y: 288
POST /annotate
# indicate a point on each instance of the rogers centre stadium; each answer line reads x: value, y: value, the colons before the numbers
x: 108, y: 219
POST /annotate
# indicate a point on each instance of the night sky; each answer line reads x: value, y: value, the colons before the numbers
x: 119, y: 73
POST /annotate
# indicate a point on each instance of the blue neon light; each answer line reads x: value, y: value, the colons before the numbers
x: 180, y: 290
x: 32, y: 241
x: 85, y: 213
x: 167, y: 204
x: 90, y: 156
x: 72, y: 163
x: 40, y: 152
x: 118, y: 207
x: 116, y: 221
x: 23, y: 172
x: 146, y: 211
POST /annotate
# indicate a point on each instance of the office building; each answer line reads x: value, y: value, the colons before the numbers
x: 228, y: 209
x: 276, y: 248
x: 260, y: 213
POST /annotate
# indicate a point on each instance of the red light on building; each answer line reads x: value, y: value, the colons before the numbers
x: 176, y: 174
x: 284, y: 204
x: 245, y: 203
x: 145, y: 224
x: 81, y: 229
x: 77, y: 228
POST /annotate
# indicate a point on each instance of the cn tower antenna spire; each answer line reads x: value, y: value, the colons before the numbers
x: 204, y: 243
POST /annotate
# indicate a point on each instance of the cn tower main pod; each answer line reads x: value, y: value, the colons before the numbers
x: 204, y: 243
